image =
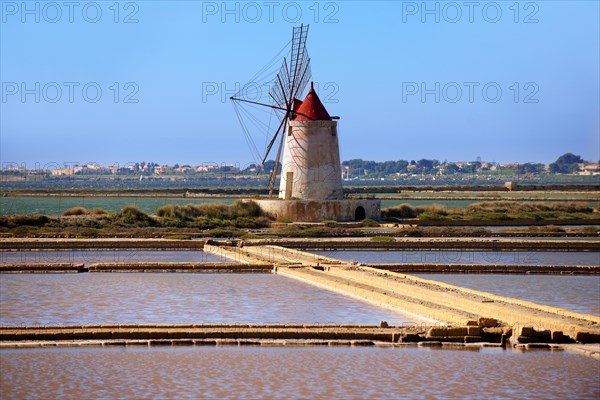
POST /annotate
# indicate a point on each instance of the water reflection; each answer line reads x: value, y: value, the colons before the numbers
x: 176, y: 298
x: 95, y: 256
x: 316, y: 372
x: 470, y: 257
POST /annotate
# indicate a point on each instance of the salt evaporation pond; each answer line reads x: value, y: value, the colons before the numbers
x: 103, y: 298
x: 95, y: 256
x: 469, y: 257
x: 288, y: 373
x: 571, y: 292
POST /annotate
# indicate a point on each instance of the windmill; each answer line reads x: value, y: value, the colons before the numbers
x: 289, y: 83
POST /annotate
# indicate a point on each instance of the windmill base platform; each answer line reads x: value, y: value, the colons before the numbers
x: 322, y: 210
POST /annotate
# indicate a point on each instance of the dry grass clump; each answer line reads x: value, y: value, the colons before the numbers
x: 84, y: 211
x: 211, y: 210
x: 98, y: 211
x: 241, y: 214
x: 401, y: 211
x: 75, y: 211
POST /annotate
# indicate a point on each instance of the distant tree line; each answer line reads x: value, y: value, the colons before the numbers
x: 566, y: 164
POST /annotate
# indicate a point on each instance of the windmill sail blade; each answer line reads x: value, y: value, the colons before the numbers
x: 280, y: 90
x: 283, y: 121
x: 273, y: 177
x: 305, y: 78
x: 299, y: 61
x: 274, y: 106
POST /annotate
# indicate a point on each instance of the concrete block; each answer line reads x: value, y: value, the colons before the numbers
x: 587, y: 337
x: 473, y: 339
x: 472, y: 323
x: 410, y: 338
x: 523, y: 331
x: 492, y: 331
x: 437, y: 332
x: 558, y: 336
x: 362, y: 343
x: 457, y: 331
x: 474, y: 331
x: 522, y: 339
x: 159, y: 342
x: 542, y: 335
x: 182, y: 342
x: 487, y: 322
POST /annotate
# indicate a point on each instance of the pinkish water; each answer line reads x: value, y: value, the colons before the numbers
x: 288, y: 373
x: 470, y: 257
x: 41, y: 299
x: 95, y: 256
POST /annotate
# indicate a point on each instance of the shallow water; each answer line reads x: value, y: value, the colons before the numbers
x: 56, y: 205
x: 97, y: 298
x: 575, y: 293
x: 95, y: 256
x: 278, y: 372
x: 470, y: 257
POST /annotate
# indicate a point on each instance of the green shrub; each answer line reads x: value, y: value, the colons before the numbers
x: 178, y: 236
x: 24, y: 220
x: 412, y: 232
x: 433, y: 209
x: 285, y: 220
x: 132, y: 215
x: 329, y: 223
x: 221, y: 233
x: 75, y: 211
x: 382, y: 239
x: 90, y: 223
x: 431, y: 216
x: 369, y: 223
x: 491, y: 216
x: 166, y: 211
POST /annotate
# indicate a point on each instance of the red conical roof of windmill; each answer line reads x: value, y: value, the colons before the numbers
x: 311, y: 108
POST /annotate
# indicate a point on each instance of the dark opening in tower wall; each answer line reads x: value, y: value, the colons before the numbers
x: 359, y: 213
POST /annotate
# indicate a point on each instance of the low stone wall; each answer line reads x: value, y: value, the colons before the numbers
x: 201, y: 267
x: 483, y: 332
x: 99, y: 244
x: 189, y: 267
x: 490, y: 269
x: 321, y: 210
x: 200, y: 331
x: 41, y: 268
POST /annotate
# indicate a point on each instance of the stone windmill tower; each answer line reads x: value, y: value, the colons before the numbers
x: 310, y: 187
x: 311, y: 157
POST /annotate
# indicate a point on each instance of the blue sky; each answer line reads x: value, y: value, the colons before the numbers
x: 407, y: 82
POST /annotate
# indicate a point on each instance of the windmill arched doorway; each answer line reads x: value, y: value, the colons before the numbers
x: 360, y: 213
